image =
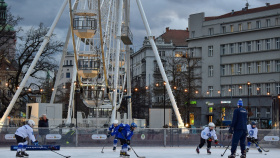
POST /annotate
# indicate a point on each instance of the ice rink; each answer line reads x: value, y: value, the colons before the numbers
x: 153, y: 152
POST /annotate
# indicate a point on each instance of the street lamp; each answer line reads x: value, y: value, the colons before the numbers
x: 164, y: 83
x: 249, y: 110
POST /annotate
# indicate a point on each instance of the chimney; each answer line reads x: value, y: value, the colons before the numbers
x: 232, y: 12
x: 167, y: 29
x: 187, y: 29
x: 267, y: 4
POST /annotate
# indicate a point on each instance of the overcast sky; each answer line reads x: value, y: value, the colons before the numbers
x: 160, y: 13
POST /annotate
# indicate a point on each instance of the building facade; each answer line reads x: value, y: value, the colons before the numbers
x: 240, y: 54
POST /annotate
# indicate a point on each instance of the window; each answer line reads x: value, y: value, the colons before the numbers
x: 267, y: 87
x: 231, y: 28
x: 232, y: 69
x: 240, y: 89
x: 258, y: 24
x: 223, y: 92
x: 277, y: 65
x: 210, y: 51
x: 276, y: 21
x: 258, y: 112
x: 239, y: 27
x: 210, y: 109
x: 211, y: 31
x: 231, y: 48
x: 179, y: 68
x: 267, y: 44
x: 249, y: 68
x: 267, y: 22
x: 192, y: 53
x: 68, y: 75
x: 210, y: 71
x: 267, y: 66
x: 70, y: 62
x: 239, y: 68
x: 249, y: 24
x: 223, y: 49
x: 278, y: 88
x: 210, y: 90
x: 161, y: 53
x: 258, y: 89
x: 239, y: 47
x: 223, y: 69
x: 232, y: 91
x: 66, y: 62
x: 250, y: 89
x: 259, y: 67
x: 249, y: 46
x: 258, y: 45
x: 193, y: 34
x: 277, y: 43
x: 223, y: 29
x: 178, y: 54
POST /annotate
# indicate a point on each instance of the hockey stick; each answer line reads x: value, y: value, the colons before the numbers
x: 56, y: 152
x: 103, y: 148
x: 260, y: 146
x: 226, y: 148
x: 133, y: 149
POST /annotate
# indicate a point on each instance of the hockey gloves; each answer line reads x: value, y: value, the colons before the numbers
x: 120, y: 129
x: 36, y: 143
x: 216, y: 141
x: 209, y: 139
x: 109, y: 134
x: 230, y: 130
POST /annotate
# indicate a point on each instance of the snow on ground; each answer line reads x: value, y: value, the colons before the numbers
x: 148, y: 152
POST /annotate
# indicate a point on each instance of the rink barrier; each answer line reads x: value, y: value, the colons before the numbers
x: 161, y: 137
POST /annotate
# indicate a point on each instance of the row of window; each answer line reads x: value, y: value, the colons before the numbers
x: 244, y: 89
x: 247, y: 46
x: 248, y: 68
x: 68, y: 62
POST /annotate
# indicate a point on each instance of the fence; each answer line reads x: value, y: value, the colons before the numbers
x: 170, y: 137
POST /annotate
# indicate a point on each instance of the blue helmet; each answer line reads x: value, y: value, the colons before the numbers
x: 133, y: 124
x: 240, y: 102
x: 253, y: 123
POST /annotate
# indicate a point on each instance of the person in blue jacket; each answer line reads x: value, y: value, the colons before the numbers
x: 239, y: 129
x: 113, y: 131
x: 125, y: 132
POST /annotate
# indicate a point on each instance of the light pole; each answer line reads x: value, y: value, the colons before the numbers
x: 249, y: 109
x: 164, y: 83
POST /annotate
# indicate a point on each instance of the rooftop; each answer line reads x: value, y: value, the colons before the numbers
x: 178, y: 37
x: 244, y: 11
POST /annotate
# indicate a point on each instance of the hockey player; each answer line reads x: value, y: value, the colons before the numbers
x: 206, y: 135
x: 252, y: 136
x: 125, y: 134
x: 21, y: 134
x: 239, y: 129
x: 113, y: 131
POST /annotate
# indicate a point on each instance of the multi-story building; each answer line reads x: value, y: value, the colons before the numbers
x: 147, y: 82
x: 240, y: 54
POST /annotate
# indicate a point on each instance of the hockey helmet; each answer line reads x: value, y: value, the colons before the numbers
x: 31, y: 123
x: 133, y: 125
x: 211, y: 124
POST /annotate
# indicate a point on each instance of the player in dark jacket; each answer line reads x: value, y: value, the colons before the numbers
x: 239, y: 129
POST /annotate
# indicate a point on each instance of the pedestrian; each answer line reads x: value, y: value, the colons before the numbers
x: 43, y: 126
x: 239, y: 129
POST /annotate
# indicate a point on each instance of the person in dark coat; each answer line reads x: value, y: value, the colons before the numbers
x: 43, y: 127
x: 239, y: 129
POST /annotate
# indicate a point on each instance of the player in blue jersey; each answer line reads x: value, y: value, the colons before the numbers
x: 239, y: 129
x: 22, y: 133
x: 125, y: 132
x: 252, y: 136
x: 113, y: 132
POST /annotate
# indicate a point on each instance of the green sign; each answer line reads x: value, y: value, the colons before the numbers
x: 192, y: 102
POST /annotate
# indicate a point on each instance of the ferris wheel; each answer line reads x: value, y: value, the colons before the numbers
x: 100, y: 34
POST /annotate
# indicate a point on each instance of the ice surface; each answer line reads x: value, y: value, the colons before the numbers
x: 148, y: 152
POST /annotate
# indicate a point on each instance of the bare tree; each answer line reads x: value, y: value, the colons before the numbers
x: 28, y: 46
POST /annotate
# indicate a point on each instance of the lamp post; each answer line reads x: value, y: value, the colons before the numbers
x: 249, y: 109
x: 164, y: 83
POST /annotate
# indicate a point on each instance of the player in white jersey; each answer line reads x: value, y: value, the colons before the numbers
x: 22, y: 133
x: 206, y: 135
x: 252, y: 136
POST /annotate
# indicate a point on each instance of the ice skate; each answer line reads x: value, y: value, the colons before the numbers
x: 128, y: 149
x: 19, y: 154
x: 24, y: 154
x: 121, y: 154
x: 247, y: 150
x: 243, y: 156
x: 114, y: 149
x: 208, y: 151
x: 231, y: 156
x: 259, y: 150
x: 197, y: 150
x: 126, y: 155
